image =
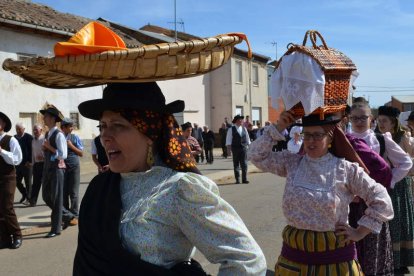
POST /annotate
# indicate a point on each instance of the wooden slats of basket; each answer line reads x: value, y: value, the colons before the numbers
x: 328, y: 59
x: 148, y: 63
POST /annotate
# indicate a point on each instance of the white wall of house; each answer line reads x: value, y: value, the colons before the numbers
x: 230, y: 95
x: 195, y: 92
x: 246, y: 94
x: 20, y: 99
x: 259, y: 93
x: 221, y: 96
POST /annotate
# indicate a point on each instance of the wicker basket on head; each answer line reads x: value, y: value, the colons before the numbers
x: 155, y: 62
x: 337, y: 69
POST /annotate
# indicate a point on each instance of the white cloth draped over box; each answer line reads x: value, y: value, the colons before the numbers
x: 299, y: 78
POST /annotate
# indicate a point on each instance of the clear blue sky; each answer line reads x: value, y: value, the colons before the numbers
x: 378, y: 35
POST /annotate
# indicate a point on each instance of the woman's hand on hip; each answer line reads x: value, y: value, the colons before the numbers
x: 350, y: 233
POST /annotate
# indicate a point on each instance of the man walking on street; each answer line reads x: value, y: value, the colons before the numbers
x: 223, y: 135
x: 72, y: 173
x: 238, y: 141
x: 24, y: 169
x: 38, y: 159
x: 208, y: 137
x: 197, y: 133
x: 10, y: 156
x: 55, y: 150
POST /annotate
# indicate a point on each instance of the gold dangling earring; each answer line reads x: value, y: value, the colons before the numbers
x: 329, y: 146
x: 150, y: 156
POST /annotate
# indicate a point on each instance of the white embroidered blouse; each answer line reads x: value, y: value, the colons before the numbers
x: 393, y: 154
x: 166, y: 213
x: 318, y: 191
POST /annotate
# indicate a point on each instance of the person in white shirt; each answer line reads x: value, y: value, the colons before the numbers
x: 295, y: 141
x: 10, y: 156
x: 38, y: 159
x: 55, y: 150
x: 238, y: 141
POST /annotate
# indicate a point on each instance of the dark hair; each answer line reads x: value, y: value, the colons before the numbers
x: 186, y: 126
x: 360, y: 100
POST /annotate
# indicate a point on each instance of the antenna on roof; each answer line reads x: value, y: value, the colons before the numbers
x: 180, y: 22
x: 274, y: 43
x: 175, y: 19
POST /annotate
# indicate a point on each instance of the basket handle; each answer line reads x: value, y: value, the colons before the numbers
x: 313, y: 35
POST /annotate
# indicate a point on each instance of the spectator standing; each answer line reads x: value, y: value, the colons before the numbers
x: 99, y: 156
x: 208, y: 137
x: 24, y: 169
x: 10, y: 156
x: 261, y: 129
x: 402, y: 226
x: 72, y: 173
x: 410, y: 122
x: 192, y: 142
x: 295, y: 141
x: 38, y: 159
x: 251, y: 131
x: 55, y: 150
x: 246, y: 121
x: 197, y: 133
x: 226, y: 121
x: 238, y: 141
x: 223, y: 134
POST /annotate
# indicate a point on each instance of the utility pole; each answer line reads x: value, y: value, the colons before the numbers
x: 274, y: 43
x: 175, y: 20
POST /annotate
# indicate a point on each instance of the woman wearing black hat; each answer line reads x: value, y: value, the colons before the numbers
x: 10, y: 156
x: 145, y: 215
x: 320, y: 185
x: 402, y: 226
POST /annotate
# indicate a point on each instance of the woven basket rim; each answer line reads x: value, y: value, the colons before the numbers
x: 162, y: 61
x: 349, y: 66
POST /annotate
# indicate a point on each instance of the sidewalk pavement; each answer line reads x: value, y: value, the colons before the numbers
x: 35, y: 219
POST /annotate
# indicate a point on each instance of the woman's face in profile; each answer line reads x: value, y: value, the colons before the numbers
x: 385, y: 124
x: 125, y: 146
x: 315, y: 141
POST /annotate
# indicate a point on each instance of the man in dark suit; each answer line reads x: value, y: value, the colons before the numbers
x: 24, y: 169
x: 238, y: 141
x: 10, y: 156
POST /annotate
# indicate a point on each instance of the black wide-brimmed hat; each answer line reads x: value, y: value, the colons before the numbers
x: 314, y: 120
x: 237, y: 117
x: 52, y: 110
x: 133, y: 96
x: 411, y: 116
x: 6, y: 119
x: 389, y: 111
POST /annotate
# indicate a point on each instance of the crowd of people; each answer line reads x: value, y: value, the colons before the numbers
x: 362, y: 163
x: 47, y: 162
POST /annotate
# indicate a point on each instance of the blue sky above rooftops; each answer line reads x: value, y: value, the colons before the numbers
x: 378, y: 35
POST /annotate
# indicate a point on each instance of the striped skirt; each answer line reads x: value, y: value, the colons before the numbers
x: 375, y: 250
x: 311, y: 241
x: 402, y: 225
